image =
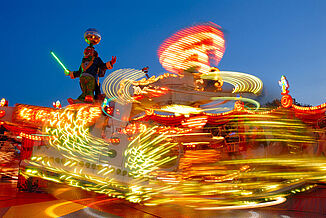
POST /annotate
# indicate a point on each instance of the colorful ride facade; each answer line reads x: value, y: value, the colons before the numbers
x: 163, y: 140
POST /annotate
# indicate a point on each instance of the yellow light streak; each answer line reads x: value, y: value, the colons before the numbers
x: 242, y: 82
x: 117, y: 85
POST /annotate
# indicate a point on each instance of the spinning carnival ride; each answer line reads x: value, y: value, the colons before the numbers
x: 193, y: 136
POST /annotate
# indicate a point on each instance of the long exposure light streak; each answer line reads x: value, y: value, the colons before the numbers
x: 276, y: 201
x: 80, y: 166
x: 117, y: 85
x: 71, y: 134
x: 247, y: 183
x: 147, y: 152
x: 180, y: 109
x: 244, y: 158
x: 242, y: 82
x: 193, y: 48
x: 153, y: 79
x: 256, y: 103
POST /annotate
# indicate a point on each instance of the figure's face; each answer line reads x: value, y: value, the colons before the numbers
x: 88, y: 52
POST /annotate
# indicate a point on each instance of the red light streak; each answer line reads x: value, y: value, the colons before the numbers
x: 195, y: 122
x: 193, y: 47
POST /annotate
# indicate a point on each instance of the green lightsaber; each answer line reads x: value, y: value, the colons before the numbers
x: 58, y: 60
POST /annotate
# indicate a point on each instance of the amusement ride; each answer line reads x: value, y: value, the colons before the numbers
x: 195, y: 135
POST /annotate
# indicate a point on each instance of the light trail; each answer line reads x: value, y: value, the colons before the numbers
x: 193, y: 48
x: 242, y: 82
x: 256, y: 103
x: 117, y: 85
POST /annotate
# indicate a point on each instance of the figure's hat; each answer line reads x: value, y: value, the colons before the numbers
x: 92, y: 36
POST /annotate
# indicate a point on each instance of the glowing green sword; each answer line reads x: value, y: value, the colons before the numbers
x: 58, y: 60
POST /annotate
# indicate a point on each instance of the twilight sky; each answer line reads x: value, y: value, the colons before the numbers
x: 266, y: 38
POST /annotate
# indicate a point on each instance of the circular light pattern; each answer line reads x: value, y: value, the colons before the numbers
x: 242, y: 82
x: 117, y: 85
x: 286, y: 101
x: 193, y: 48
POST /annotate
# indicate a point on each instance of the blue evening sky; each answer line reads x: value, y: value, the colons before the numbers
x: 266, y: 38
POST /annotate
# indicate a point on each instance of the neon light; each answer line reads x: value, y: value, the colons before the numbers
x: 61, y: 64
x: 316, y: 109
x: 33, y: 137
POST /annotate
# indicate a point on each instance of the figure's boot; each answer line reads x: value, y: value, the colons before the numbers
x: 73, y: 101
x: 70, y: 100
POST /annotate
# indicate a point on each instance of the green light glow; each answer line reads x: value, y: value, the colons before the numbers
x: 58, y: 60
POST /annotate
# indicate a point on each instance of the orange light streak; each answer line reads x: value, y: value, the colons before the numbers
x: 38, y: 116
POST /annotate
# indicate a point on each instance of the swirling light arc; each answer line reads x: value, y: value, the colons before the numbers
x: 242, y: 82
x: 193, y: 47
x: 256, y: 103
x: 117, y: 85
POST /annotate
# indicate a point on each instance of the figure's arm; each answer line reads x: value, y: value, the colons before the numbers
x: 75, y: 74
x: 105, y: 66
x: 109, y: 64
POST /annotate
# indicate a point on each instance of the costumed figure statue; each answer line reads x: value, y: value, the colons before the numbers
x: 57, y: 104
x: 3, y: 102
x: 92, y: 67
x: 284, y: 85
